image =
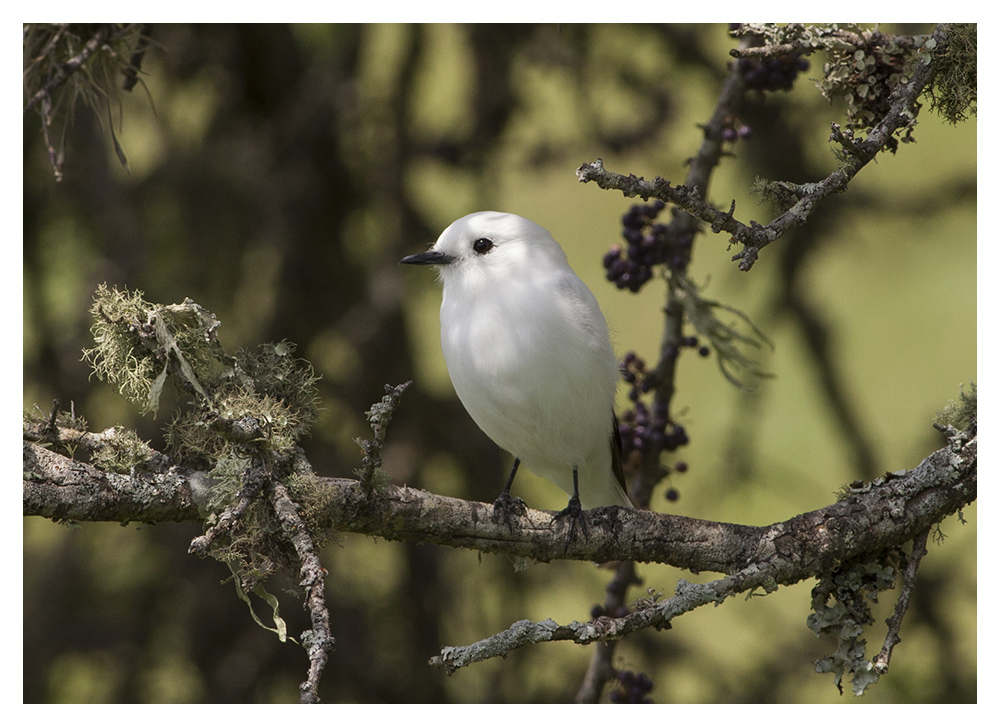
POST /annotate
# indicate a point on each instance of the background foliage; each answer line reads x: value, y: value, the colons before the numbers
x: 277, y: 173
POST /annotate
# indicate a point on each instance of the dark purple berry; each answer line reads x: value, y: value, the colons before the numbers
x: 612, y: 256
x: 646, y: 242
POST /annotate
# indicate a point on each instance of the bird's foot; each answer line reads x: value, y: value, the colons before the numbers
x: 505, y: 505
x: 574, y: 511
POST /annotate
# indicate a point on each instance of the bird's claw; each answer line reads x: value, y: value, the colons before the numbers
x: 574, y: 511
x: 504, y: 505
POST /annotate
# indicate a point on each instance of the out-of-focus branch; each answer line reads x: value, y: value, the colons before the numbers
x: 69, y: 67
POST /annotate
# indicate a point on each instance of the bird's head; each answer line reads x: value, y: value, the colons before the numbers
x: 486, y: 246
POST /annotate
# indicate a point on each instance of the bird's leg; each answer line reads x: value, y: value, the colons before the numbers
x: 574, y: 511
x: 504, y: 504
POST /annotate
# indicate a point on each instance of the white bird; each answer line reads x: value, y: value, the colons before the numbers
x: 529, y: 355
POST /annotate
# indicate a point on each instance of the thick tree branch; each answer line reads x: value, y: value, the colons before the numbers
x: 61, y: 488
x: 889, y: 511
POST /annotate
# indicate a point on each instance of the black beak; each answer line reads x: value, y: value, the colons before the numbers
x: 431, y: 257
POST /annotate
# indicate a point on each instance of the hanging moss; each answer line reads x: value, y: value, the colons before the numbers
x: 953, y: 89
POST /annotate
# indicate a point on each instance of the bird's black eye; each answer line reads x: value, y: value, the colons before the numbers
x: 483, y: 245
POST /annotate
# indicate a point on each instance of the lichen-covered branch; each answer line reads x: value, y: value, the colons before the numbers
x: 379, y: 417
x: 881, y: 513
x: 917, y: 552
x: 61, y: 488
x: 657, y: 614
x: 318, y: 641
x: 799, y: 38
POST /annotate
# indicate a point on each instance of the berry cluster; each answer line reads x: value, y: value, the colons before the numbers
x: 640, y: 429
x: 633, y: 688
x: 643, y: 432
x: 774, y: 73
x: 648, y: 243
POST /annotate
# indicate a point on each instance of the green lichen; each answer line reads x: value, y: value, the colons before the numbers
x: 122, y: 451
x: 841, y: 608
x: 241, y: 417
x: 953, y: 89
x: 314, y: 501
x: 115, y: 358
x: 960, y: 413
x: 866, y: 74
x: 256, y: 402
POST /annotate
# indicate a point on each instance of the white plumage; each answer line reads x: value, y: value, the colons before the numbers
x: 528, y: 351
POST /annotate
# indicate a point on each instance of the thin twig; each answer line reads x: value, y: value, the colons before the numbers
x: 253, y: 483
x: 894, y: 622
x: 379, y: 416
x: 688, y: 597
x: 318, y: 641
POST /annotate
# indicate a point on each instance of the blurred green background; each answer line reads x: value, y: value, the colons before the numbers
x: 277, y: 175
